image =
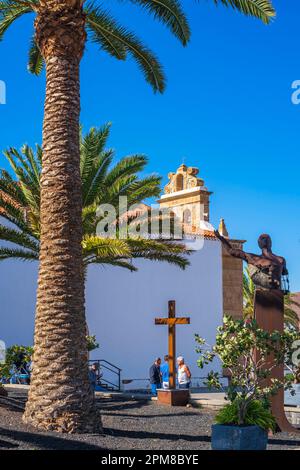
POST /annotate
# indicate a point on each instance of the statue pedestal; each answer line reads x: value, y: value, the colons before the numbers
x: 269, y: 314
x: 173, y: 397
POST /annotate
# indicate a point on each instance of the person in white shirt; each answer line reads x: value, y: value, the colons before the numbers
x: 183, y: 373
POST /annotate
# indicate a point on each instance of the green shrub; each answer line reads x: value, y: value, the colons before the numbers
x: 252, y: 385
x: 16, y: 354
x: 256, y: 414
x: 92, y: 343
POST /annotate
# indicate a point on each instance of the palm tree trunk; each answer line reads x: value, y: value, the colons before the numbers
x: 60, y: 396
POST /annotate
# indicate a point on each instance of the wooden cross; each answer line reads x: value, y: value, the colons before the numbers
x: 172, y: 321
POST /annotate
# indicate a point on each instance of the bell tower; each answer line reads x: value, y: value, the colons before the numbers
x: 186, y: 196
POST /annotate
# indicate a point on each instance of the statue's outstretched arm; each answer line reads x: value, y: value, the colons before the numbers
x: 236, y: 252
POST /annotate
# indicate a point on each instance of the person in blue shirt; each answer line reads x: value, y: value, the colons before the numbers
x: 164, y: 370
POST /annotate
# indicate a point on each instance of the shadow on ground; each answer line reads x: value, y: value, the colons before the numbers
x: 40, y: 441
x: 154, y: 435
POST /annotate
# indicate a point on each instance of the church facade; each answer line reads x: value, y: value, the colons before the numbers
x: 122, y: 306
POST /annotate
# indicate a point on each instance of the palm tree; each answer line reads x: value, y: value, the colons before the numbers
x: 101, y: 183
x: 60, y: 397
x: 290, y: 315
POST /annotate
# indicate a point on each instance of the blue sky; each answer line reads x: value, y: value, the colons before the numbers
x: 227, y: 109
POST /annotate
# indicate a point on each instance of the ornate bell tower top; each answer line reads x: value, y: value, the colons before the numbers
x: 186, y: 195
x: 184, y: 178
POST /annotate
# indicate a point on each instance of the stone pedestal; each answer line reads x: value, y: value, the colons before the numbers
x: 269, y: 313
x: 179, y: 397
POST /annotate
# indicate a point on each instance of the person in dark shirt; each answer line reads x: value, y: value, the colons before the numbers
x: 155, y: 376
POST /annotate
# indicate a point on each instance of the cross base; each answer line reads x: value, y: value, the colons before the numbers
x: 179, y: 397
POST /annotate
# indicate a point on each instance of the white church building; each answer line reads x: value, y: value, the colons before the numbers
x: 122, y: 306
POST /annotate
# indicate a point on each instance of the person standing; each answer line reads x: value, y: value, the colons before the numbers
x: 164, y: 370
x: 183, y: 374
x: 93, y: 375
x: 155, y: 376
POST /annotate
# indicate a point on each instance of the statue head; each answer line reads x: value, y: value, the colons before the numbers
x: 265, y: 241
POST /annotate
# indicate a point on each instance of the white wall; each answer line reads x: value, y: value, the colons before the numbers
x: 18, y: 282
x: 121, y: 307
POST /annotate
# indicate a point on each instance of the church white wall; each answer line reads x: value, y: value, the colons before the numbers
x: 18, y: 282
x: 121, y: 307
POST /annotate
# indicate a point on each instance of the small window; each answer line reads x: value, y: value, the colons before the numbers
x: 187, y: 217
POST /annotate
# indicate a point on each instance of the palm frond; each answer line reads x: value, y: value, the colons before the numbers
x: 28, y: 173
x: 118, y: 41
x: 11, y: 190
x: 117, y: 263
x: 93, y: 186
x: 14, y: 214
x: 101, y: 26
x: 35, y: 59
x: 105, y: 247
x: 91, y: 146
x: 171, y: 14
x: 159, y: 250
x: 261, y: 9
x: 144, y: 188
x: 10, y: 11
x: 23, y: 255
x: 35, y: 165
x: 94, y: 161
x: 128, y: 166
x: 18, y: 238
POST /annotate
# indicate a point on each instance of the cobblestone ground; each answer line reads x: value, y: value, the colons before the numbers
x: 128, y: 424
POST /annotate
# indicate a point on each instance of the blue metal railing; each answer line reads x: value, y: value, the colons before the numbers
x: 108, y: 374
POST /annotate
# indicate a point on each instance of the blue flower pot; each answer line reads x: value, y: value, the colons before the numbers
x: 226, y: 437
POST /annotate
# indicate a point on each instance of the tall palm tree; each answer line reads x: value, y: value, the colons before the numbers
x: 290, y: 315
x: 101, y: 183
x: 60, y: 397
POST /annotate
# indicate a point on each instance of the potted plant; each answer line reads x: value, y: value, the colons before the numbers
x: 245, y: 351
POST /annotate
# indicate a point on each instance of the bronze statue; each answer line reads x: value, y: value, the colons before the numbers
x: 266, y: 270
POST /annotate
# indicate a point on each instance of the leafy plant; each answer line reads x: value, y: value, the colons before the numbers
x: 257, y: 414
x: 16, y: 355
x: 250, y: 354
x: 92, y: 343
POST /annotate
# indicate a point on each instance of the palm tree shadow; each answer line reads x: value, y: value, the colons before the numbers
x: 113, y: 406
x: 150, y: 416
x: 8, y: 445
x: 284, y: 442
x: 43, y: 441
x: 154, y: 435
